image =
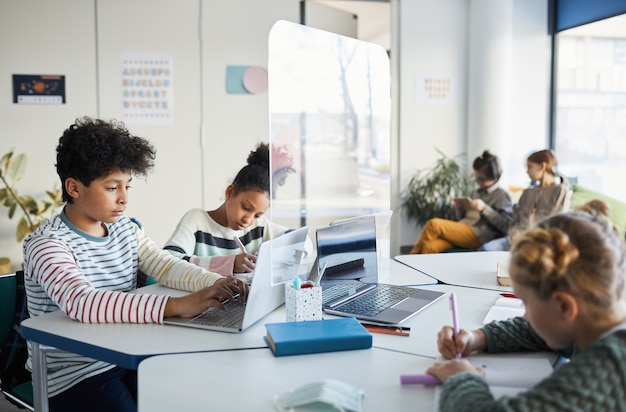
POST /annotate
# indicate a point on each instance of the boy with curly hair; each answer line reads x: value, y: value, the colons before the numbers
x: 85, y: 261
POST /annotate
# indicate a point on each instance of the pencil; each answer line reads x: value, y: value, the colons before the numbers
x: 455, y: 318
x: 241, y: 246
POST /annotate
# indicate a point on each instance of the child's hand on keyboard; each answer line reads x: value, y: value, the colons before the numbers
x: 223, y: 290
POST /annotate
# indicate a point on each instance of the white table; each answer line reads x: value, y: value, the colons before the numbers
x: 473, y: 305
x: 470, y: 269
x: 396, y: 273
x: 127, y: 344
x: 248, y: 380
x: 113, y: 343
x: 110, y: 342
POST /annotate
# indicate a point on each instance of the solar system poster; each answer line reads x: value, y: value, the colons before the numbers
x: 38, y: 89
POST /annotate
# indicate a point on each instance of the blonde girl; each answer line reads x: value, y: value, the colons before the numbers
x: 570, y: 272
x: 547, y: 195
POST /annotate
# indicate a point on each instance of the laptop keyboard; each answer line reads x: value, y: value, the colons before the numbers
x: 374, y: 302
x: 232, y: 317
x: 342, y: 290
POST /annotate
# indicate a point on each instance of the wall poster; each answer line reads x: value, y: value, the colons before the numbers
x: 435, y: 89
x: 38, y: 89
x: 147, y: 89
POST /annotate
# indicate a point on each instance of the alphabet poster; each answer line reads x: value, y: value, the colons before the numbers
x: 435, y: 89
x: 147, y: 89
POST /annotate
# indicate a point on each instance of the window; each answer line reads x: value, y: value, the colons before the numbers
x: 590, y: 134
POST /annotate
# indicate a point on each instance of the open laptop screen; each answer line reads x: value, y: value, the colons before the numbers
x: 348, y: 251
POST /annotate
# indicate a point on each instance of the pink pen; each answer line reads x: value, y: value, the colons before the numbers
x: 240, y: 244
x: 424, y: 379
x: 455, y: 318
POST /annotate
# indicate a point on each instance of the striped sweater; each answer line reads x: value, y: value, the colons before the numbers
x: 88, y: 278
x: 201, y: 240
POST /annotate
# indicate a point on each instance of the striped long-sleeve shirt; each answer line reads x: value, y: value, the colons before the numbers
x: 202, y: 241
x: 88, y: 278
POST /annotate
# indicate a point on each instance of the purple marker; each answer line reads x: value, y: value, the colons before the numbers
x: 455, y: 318
x: 424, y: 379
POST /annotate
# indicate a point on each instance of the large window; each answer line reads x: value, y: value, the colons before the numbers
x: 590, y: 139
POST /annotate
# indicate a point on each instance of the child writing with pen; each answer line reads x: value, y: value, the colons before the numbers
x: 570, y: 272
x: 85, y: 261
x: 225, y: 240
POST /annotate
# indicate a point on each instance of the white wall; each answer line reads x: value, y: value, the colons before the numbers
x: 530, y: 86
x: 433, y: 37
x: 42, y: 37
x: 497, y: 54
x: 509, y: 76
x: 208, y: 143
x: 172, y: 28
x: 234, y: 32
x: 213, y: 131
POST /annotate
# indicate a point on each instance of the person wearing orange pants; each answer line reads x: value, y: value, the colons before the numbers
x: 485, y: 216
x: 440, y: 235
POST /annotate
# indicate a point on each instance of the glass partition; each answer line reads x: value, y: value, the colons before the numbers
x: 330, y: 107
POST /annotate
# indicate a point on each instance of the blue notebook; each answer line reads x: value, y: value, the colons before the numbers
x: 298, y: 338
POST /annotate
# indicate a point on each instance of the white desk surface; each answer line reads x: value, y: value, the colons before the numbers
x: 470, y: 269
x: 128, y: 344
x: 248, y: 380
x: 473, y: 305
x: 397, y: 273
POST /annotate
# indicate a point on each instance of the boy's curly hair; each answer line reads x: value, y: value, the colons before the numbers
x: 93, y: 148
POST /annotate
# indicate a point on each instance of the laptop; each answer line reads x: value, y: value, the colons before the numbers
x: 347, y: 269
x: 264, y: 295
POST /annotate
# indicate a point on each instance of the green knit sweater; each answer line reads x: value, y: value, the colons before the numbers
x: 593, y: 380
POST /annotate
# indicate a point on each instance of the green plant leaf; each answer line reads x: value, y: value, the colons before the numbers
x: 12, y: 168
x: 17, y: 167
x: 23, y: 229
x: 9, y: 201
x: 4, y: 162
x: 430, y: 192
x: 12, y: 210
x: 30, y: 204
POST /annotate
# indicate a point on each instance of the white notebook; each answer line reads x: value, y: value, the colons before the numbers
x: 508, y: 375
x: 505, y: 308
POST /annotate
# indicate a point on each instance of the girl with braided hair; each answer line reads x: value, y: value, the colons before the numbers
x: 570, y: 272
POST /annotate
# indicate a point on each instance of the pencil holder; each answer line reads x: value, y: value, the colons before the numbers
x: 303, y: 304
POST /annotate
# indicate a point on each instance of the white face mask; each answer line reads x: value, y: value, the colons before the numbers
x: 326, y: 395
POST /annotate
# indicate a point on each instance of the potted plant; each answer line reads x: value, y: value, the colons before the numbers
x: 34, y: 212
x: 431, y: 191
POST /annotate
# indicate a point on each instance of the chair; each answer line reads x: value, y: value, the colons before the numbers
x: 16, y: 384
